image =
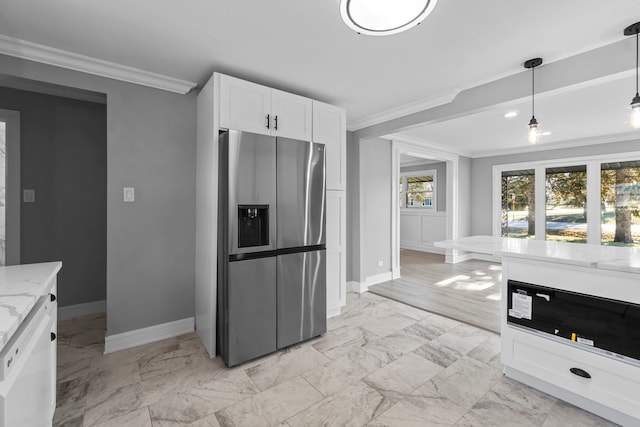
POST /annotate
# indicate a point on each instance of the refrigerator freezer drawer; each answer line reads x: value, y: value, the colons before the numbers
x: 302, y: 296
x: 251, y: 328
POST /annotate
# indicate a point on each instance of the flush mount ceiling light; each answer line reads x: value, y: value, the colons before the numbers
x: 384, y: 17
x: 634, y: 120
x: 534, y: 132
x: 510, y: 114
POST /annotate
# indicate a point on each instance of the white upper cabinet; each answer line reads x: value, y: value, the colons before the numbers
x: 244, y: 105
x: 330, y: 128
x: 259, y: 109
x: 292, y: 115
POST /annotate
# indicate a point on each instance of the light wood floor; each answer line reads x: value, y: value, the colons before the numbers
x: 468, y: 291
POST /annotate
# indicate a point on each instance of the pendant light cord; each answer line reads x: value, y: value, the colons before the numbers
x: 637, y: 54
x: 533, y: 91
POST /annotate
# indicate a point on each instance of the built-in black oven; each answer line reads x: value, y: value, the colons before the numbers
x: 609, y: 325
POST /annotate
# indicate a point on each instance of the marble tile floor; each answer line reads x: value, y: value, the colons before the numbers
x: 382, y: 363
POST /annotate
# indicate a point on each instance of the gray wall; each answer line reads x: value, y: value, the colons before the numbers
x: 151, y: 242
x: 375, y: 175
x: 441, y: 181
x: 482, y: 170
x: 64, y: 158
x: 466, y: 208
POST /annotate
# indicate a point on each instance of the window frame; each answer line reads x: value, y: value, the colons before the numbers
x: 405, y: 175
x: 540, y: 166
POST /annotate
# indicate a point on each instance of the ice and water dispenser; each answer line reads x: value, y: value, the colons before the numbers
x: 253, y: 225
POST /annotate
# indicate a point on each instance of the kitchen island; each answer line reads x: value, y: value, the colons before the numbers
x: 569, y: 320
x: 28, y: 305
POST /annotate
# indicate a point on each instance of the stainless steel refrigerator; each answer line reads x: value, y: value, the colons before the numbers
x: 271, y: 254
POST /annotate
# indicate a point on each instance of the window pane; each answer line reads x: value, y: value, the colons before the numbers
x: 566, y: 204
x: 518, y: 204
x: 620, y: 203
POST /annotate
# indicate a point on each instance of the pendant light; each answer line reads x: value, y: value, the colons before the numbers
x: 534, y: 132
x: 634, y: 119
x: 384, y: 17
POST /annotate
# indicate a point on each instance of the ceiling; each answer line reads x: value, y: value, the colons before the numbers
x: 305, y: 48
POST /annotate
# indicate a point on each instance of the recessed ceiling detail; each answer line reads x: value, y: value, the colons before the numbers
x: 384, y: 17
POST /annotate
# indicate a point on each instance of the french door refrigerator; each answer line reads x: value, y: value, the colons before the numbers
x: 271, y: 254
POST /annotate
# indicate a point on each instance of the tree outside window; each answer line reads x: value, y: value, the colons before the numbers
x: 620, y: 203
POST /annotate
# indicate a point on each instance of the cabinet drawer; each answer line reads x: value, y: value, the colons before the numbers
x: 612, y: 383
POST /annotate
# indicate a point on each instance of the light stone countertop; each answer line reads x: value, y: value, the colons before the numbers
x: 596, y: 256
x: 20, y: 288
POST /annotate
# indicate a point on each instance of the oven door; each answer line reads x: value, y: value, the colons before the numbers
x: 27, y: 392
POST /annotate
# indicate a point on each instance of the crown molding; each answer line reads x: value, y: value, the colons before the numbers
x: 86, y: 64
x: 403, y: 110
x: 571, y: 143
x: 437, y: 149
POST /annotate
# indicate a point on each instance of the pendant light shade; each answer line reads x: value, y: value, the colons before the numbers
x: 384, y: 17
x: 534, y: 131
x: 634, y: 119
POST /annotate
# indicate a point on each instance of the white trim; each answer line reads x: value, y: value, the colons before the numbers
x: 570, y: 143
x: 403, y: 110
x: 395, y: 274
x: 333, y: 312
x: 142, y: 336
x: 379, y: 278
x: 13, y: 193
x: 436, y: 150
x: 86, y: 64
x: 422, y: 247
x: 358, y: 287
x: 83, y: 309
x: 399, y: 147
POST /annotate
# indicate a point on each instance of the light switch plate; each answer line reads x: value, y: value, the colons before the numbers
x: 129, y: 194
x: 29, y: 196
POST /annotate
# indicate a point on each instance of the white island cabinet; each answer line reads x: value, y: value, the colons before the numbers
x: 554, y: 295
x: 28, y: 331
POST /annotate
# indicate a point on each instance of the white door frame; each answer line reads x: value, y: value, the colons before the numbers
x: 12, y: 195
x: 399, y: 147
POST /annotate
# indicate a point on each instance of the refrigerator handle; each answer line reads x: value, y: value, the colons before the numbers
x: 276, y: 119
x: 268, y: 121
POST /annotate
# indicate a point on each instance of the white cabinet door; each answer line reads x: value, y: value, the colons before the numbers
x: 245, y: 106
x: 336, y: 251
x: 292, y: 115
x: 330, y: 128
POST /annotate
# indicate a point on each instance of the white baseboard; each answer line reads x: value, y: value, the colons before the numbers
x: 379, y: 278
x: 358, y: 287
x: 333, y: 312
x: 395, y: 273
x: 486, y: 257
x: 147, y: 335
x: 83, y: 309
x: 422, y: 247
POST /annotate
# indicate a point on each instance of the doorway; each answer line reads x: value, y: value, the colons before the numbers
x: 9, y: 187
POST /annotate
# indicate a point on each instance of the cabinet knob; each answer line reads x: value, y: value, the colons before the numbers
x: 53, y: 297
x: 580, y: 372
x: 53, y: 336
x: 268, y: 127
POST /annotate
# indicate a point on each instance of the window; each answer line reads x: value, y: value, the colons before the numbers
x: 418, y: 189
x: 518, y: 203
x: 593, y: 200
x: 620, y: 203
x: 566, y: 204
